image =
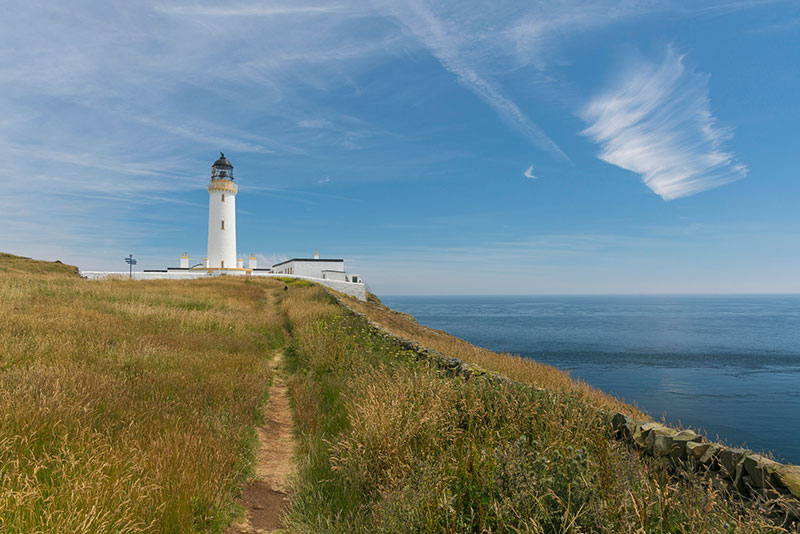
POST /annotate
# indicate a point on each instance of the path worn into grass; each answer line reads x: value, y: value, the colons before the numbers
x: 265, y: 497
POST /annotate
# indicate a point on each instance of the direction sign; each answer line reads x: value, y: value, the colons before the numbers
x: 130, y: 261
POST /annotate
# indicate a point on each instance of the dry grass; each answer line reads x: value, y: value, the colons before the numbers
x: 11, y: 264
x: 388, y: 444
x: 128, y: 406
x: 509, y: 365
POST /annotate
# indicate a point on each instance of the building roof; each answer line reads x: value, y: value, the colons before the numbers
x: 306, y: 259
x: 222, y: 162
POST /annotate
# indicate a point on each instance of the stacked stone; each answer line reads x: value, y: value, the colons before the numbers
x: 451, y: 366
x: 732, y: 470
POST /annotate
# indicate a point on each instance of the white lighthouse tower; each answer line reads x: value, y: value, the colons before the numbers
x: 222, y: 216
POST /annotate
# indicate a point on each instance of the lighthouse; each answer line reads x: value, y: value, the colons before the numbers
x: 222, y: 216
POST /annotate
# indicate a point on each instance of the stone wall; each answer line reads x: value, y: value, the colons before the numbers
x: 733, y: 471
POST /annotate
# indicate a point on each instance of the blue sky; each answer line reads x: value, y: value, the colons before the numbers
x: 439, y: 147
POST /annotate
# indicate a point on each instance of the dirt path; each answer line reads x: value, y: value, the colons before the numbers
x: 264, y: 498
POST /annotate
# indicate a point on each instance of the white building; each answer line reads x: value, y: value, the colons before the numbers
x: 316, y: 267
x: 222, y: 217
x: 308, y: 266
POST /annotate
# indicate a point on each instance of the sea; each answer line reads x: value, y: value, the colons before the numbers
x: 727, y: 365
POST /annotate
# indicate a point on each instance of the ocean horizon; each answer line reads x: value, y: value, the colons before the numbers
x: 727, y: 365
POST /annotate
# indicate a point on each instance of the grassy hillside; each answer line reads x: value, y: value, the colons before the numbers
x: 131, y: 406
x: 125, y: 406
x: 11, y: 264
x: 509, y: 365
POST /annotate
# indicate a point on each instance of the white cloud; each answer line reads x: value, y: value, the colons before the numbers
x: 529, y: 173
x: 315, y: 123
x: 656, y: 121
x: 454, y: 45
x: 200, y: 134
x: 244, y: 10
x: 268, y: 260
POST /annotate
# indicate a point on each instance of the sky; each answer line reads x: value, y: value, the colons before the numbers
x: 448, y: 147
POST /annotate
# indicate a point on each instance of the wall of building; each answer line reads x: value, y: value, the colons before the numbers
x: 173, y: 275
x: 335, y: 275
x: 309, y: 268
x: 221, y: 242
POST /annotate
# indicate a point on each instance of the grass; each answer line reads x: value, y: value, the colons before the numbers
x: 390, y: 445
x: 11, y: 264
x: 509, y: 365
x: 128, y: 406
x: 131, y: 406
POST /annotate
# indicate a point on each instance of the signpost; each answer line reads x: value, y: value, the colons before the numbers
x: 130, y: 261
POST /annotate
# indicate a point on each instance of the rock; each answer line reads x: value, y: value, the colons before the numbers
x: 410, y: 345
x: 696, y: 450
x: 787, y: 477
x: 741, y: 482
x: 710, y: 458
x: 619, y: 420
x: 680, y: 442
x: 728, y: 460
x: 659, y: 441
x: 759, y: 469
x: 623, y: 425
x: 641, y: 430
x: 720, y: 484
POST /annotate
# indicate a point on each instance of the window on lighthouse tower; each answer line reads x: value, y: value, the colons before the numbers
x: 223, y: 197
x: 222, y: 226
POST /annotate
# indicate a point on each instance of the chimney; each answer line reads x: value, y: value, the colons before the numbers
x: 253, y: 261
x: 316, y: 254
x: 205, y: 263
x: 185, y: 260
x: 239, y: 263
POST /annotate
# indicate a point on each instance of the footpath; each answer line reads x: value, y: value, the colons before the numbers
x: 265, y: 497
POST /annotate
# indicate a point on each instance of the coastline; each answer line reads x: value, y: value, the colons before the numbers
x: 677, y: 358
x: 732, y: 470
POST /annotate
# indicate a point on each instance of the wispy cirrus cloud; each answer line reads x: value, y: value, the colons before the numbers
x: 244, y: 10
x: 529, y: 173
x: 656, y: 121
x: 314, y: 123
x: 454, y: 45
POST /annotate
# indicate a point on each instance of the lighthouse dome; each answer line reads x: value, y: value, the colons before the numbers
x: 222, y: 162
x: 222, y: 169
